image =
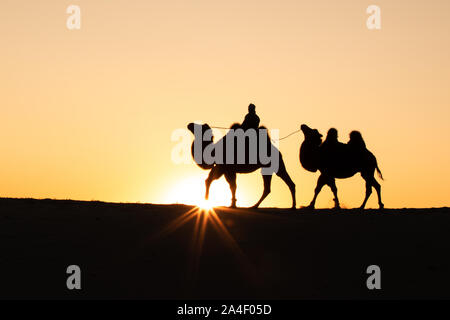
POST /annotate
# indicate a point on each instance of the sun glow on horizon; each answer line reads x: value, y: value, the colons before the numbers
x: 191, y: 191
x: 205, y: 205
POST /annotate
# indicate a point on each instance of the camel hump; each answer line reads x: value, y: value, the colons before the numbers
x: 356, y: 140
x: 235, y: 126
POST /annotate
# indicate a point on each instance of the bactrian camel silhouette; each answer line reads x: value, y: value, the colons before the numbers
x: 340, y: 161
x: 230, y: 170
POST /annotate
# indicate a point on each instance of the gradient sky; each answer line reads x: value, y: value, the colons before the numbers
x: 88, y: 114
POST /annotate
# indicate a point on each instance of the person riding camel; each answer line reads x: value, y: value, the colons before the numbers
x: 251, y: 120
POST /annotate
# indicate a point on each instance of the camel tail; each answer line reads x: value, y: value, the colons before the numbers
x: 379, y: 172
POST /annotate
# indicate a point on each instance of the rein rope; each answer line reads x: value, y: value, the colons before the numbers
x: 292, y: 133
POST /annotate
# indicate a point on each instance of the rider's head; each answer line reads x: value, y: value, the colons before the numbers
x: 251, y: 108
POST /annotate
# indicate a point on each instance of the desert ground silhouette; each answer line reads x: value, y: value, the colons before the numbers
x: 174, y: 251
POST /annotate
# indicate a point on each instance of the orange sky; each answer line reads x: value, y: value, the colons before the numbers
x: 88, y: 114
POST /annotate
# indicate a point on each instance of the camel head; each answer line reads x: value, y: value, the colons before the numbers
x: 311, y: 135
x: 198, y: 130
x: 201, y: 140
x: 309, y: 149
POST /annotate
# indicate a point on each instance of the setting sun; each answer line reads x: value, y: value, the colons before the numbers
x: 192, y: 191
x: 205, y: 205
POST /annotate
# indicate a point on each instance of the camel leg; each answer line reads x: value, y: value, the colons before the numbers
x: 377, y: 187
x: 231, y: 179
x: 368, y: 191
x: 332, y: 184
x: 267, y: 181
x: 320, y: 183
x: 282, y: 173
x: 215, y: 173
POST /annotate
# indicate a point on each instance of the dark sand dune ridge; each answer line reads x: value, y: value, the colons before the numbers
x: 128, y: 251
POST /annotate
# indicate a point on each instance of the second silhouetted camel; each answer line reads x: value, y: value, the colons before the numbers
x: 338, y: 161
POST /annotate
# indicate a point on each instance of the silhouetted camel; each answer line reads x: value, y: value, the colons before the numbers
x: 340, y: 161
x: 230, y: 170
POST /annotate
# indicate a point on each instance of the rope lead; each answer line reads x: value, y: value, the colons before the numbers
x: 270, y: 139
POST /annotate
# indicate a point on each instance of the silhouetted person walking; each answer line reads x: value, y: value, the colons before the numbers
x: 251, y: 119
